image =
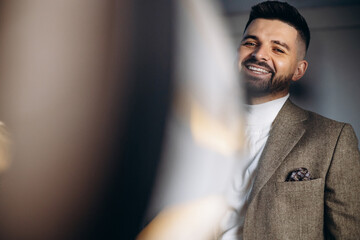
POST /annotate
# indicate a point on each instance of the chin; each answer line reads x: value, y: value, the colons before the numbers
x: 257, y: 90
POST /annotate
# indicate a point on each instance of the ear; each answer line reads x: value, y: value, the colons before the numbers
x: 300, y: 70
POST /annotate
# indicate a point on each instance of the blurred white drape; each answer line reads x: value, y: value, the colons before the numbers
x: 205, y: 132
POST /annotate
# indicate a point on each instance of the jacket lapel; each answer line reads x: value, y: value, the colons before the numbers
x: 287, y: 130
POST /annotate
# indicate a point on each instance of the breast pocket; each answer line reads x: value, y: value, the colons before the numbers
x: 300, y: 208
x: 299, y: 186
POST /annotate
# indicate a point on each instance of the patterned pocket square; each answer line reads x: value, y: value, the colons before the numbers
x: 300, y: 174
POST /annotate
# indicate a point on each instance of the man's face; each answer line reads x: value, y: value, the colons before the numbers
x: 268, y: 56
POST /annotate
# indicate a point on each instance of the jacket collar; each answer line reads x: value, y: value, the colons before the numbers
x: 287, y: 129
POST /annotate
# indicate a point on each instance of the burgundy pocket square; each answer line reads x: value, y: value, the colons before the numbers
x: 300, y: 174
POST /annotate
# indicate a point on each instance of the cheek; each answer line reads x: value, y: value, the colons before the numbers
x: 283, y: 67
x: 280, y: 64
x: 242, y: 56
x: 240, y: 59
x: 286, y: 65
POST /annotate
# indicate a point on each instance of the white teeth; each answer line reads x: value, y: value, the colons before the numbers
x: 252, y: 68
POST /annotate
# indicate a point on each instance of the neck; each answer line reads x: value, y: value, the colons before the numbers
x: 253, y: 100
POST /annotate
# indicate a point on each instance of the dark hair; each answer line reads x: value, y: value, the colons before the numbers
x: 284, y: 12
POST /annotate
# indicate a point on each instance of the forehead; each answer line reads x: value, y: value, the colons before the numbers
x: 266, y: 29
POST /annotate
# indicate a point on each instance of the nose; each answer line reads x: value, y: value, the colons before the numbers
x: 261, y: 53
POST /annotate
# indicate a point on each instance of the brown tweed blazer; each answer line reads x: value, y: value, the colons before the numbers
x: 326, y: 207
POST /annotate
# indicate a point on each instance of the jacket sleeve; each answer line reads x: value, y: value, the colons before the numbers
x: 342, y: 189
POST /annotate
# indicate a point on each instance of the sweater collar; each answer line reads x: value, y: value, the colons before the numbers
x: 264, y: 113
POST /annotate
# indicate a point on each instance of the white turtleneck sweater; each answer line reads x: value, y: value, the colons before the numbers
x: 259, y: 119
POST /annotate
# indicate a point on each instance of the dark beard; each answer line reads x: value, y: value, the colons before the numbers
x: 257, y: 87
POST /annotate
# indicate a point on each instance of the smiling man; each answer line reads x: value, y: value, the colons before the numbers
x: 272, y: 51
x: 302, y: 179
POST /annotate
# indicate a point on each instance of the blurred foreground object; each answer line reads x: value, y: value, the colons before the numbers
x: 4, y: 148
x: 85, y: 90
x: 57, y: 98
x: 196, y: 220
x: 204, y: 134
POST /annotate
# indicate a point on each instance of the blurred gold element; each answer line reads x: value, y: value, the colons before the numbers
x: 213, y: 133
x: 222, y: 133
x: 195, y: 220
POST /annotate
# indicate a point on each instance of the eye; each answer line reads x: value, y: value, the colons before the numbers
x: 249, y: 44
x: 278, y: 50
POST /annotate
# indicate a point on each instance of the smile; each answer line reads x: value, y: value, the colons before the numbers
x: 257, y: 70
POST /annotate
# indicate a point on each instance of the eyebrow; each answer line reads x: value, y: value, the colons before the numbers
x: 273, y: 41
x: 250, y: 36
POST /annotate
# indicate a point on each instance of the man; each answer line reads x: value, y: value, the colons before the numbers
x: 303, y: 168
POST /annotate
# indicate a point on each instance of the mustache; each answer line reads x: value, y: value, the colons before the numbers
x: 256, y: 62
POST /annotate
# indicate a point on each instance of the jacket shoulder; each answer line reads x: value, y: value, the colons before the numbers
x: 320, y: 121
